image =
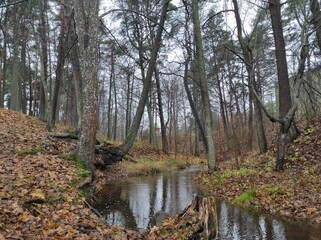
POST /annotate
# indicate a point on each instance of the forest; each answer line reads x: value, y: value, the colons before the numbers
x: 90, y: 88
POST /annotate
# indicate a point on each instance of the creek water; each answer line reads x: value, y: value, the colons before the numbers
x: 133, y: 202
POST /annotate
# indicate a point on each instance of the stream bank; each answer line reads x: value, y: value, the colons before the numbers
x: 134, y: 202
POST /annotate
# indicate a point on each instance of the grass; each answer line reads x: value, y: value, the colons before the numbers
x: 32, y: 151
x: 147, y: 165
x: 275, y: 190
x: 228, y: 174
x: 245, y: 198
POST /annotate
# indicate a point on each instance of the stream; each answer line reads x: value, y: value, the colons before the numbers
x: 133, y: 202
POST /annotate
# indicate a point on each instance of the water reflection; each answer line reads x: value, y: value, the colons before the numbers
x: 239, y: 224
x: 134, y: 202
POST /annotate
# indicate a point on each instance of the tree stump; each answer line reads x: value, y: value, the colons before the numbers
x: 205, y: 208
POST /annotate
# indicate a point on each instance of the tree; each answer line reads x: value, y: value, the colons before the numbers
x: 161, y: 113
x: 86, y: 15
x: 15, y: 86
x: 123, y: 149
x: 60, y: 65
x: 285, y: 102
x: 316, y: 19
x: 287, y: 131
x: 248, y: 60
x: 4, y: 28
x: 208, y: 121
x: 44, y: 108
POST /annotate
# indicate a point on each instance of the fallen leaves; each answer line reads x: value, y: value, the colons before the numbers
x: 38, y: 197
x: 293, y: 193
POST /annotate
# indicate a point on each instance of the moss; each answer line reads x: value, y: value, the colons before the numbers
x: 32, y: 151
x: 82, y: 174
x: 246, y: 197
x: 76, y: 159
x: 85, y: 192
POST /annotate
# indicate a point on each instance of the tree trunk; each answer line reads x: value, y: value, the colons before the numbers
x: 86, y: 15
x: 75, y: 62
x: 211, y: 153
x: 44, y: 107
x: 161, y: 113
x: 285, y: 102
x: 129, y: 141
x: 248, y: 60
x: 60, y: 65
x: 23, y: 71
x: 316, y: 20
x: 129, y: 101
x: 4, y: 59
x: 152, y: 130
x: 15, y: 91
x: 116, y: 108
x: 193, y: 104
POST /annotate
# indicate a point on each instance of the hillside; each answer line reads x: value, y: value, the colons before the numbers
x: 293, y: 193
x: 40, y: 186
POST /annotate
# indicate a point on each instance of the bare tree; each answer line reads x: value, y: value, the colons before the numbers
x: 208, y: 126
x: 248, y: 60
x: 285, y: 101
x: 60, y: 65
x: 123, y: 149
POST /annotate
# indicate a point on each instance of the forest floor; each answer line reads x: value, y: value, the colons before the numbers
x: 294, y: 194
x: 43, y: 184
x: 42, y: 193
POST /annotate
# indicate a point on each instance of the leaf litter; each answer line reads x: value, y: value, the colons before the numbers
x: 294, y: 194
x: 37, y: 197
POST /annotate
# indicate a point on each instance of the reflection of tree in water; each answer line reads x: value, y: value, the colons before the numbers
x: 130, y: 203
x: 111, y: 204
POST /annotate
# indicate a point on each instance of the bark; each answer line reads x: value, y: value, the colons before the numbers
x: 287, y: 121
x: 209, y: 130
x: 206, y: 211
x: 116, y: 108
x: 161, y: 113
x: 75, y: 62
x: 44, y: 100
x: 4, y: 59
x: 197, y: 148
x: 316, y: 20
x: 248, y: 60
x: 129, y: 101
x: 152, y: 130
x: 60, y: 65
x: 129, y: 141
x: 223, y: 111
x: 200, y: 129
x: 23, y: 71
x: 285, y: 102
x: 15, y: 97
x: 30, y: 83
x: 250, y: 123
x: 86, y: 15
